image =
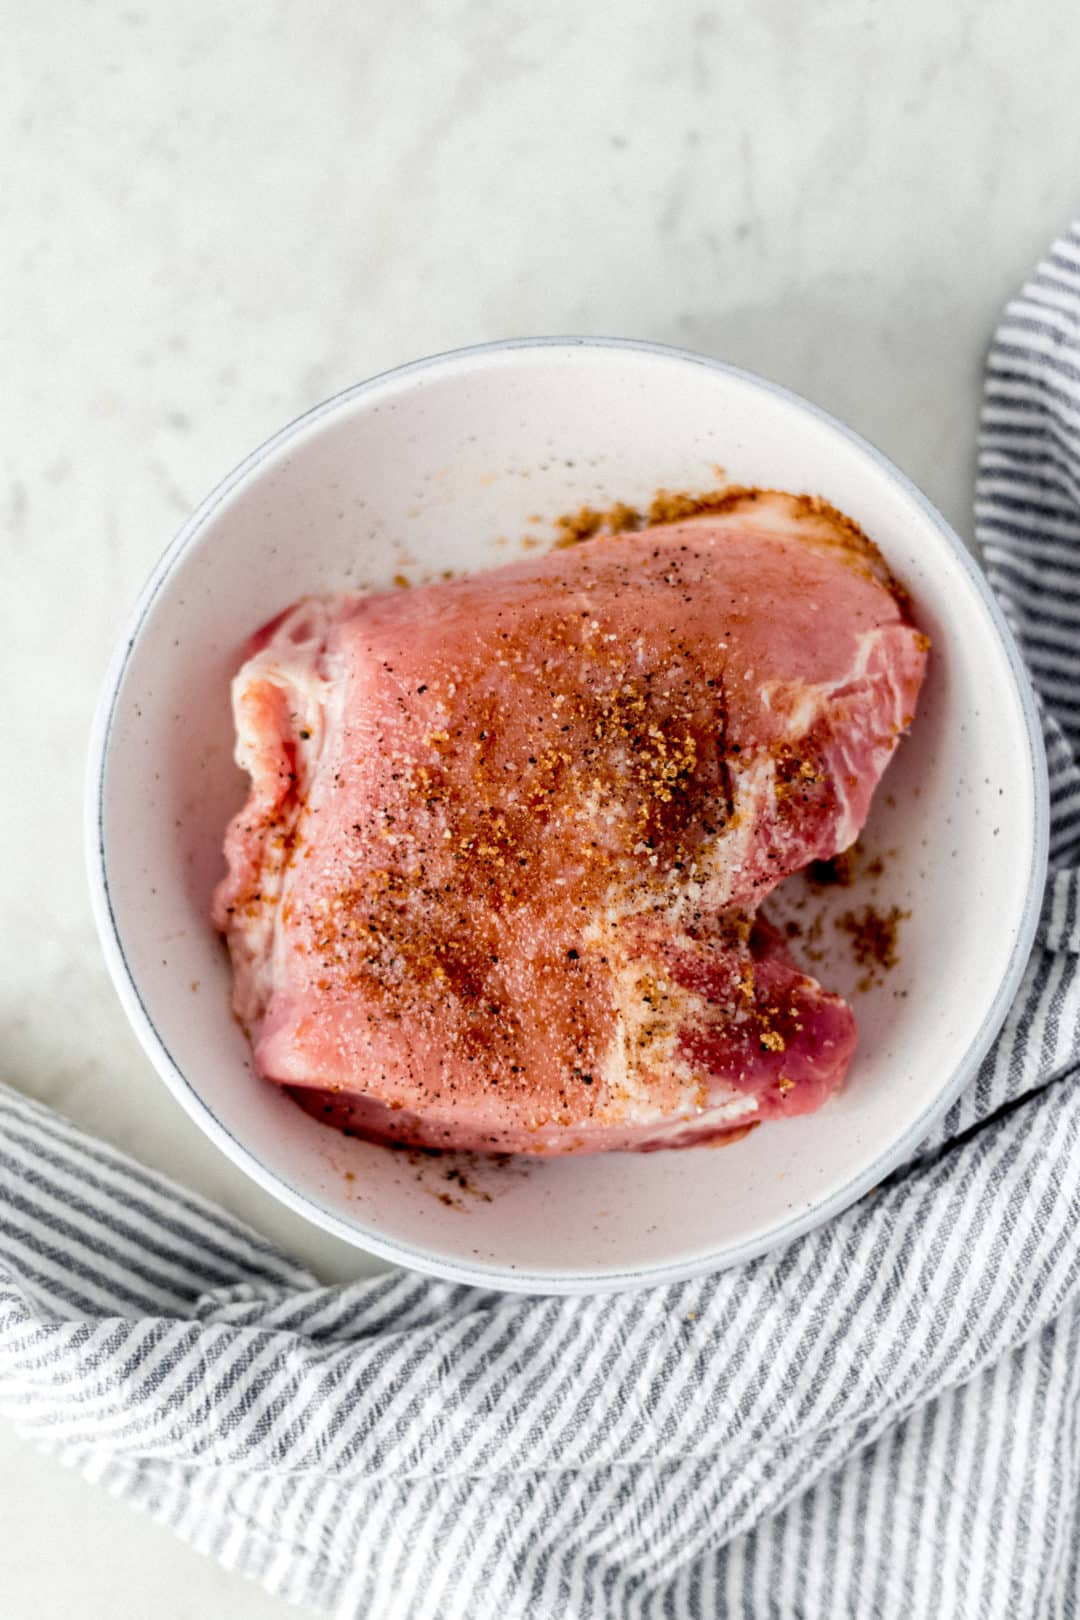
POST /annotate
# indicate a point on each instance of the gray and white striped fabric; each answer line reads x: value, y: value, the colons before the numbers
x: 881, y: 1420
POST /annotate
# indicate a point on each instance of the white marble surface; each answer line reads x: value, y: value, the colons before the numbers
x: 214, y: 216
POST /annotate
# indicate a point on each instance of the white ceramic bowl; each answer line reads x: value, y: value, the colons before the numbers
x: 447, y: 463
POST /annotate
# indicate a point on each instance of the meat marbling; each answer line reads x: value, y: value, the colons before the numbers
x: 497, y: 882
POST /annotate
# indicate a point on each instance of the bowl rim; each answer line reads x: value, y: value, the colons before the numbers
x: 415, y: 1256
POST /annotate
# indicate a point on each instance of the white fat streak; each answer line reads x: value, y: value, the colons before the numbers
x: 740, y: 1108
x: 717, y: 872
x: 290, y: 661
x: 803, y: 705
x: 626, y: 1075
x: 869, y: 643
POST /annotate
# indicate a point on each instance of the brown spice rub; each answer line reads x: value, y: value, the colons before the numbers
x: 475, y: 861
x: 838, y: 872
x: 587, y: 522
x: 842, y: 870
x: 827, y: 522
x: 873, y: 935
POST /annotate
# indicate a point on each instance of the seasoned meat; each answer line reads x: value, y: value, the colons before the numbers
x: 497, y: 882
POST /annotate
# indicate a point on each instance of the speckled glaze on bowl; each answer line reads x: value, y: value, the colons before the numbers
x: 448, y: 463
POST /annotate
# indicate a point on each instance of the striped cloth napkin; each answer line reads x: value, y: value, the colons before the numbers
x: 882, y: 1419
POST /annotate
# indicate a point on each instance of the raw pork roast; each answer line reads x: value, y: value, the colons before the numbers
x: 497, y: 882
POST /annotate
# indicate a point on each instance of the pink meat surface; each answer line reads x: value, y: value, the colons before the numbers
x: 497, y: 882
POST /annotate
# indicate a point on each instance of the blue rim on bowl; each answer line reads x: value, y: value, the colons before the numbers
x: 356, y: 1232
